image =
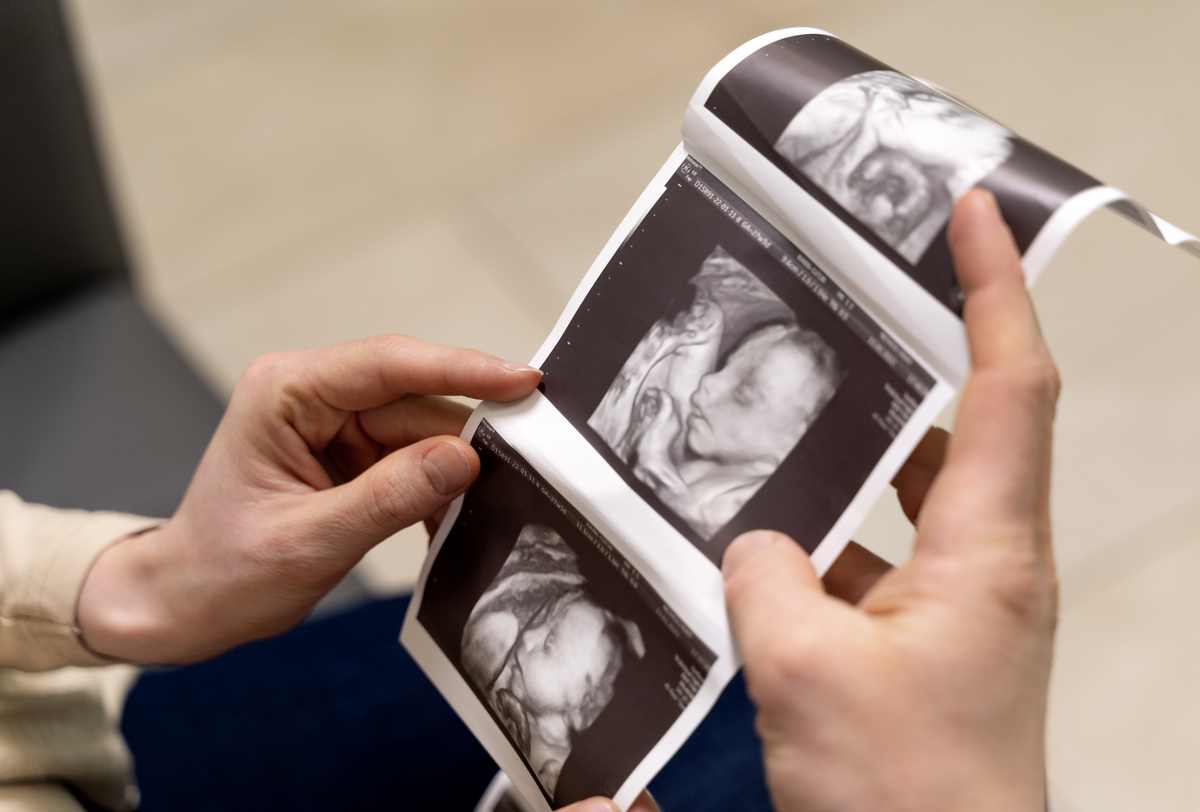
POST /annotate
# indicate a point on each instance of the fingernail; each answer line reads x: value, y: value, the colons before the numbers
x: 988, y: 199
x: 742, y: 547
x: 447, y: 469
x: 514, y: 367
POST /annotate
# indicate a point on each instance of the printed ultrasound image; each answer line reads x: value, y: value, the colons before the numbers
x: 715, y: 397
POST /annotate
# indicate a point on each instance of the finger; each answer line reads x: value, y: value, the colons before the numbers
x: 403, y: 488
x: 997, y: 465
x: 1001, y: 325
x: 913, y: 479
x: 365, y: 437
x: 366, y: 374
x: 413, y: 418
x: 644, y: 803
x: 855, y: 571
x: 1003, y: 429
x: 776, y: 605
x: 351, y: 452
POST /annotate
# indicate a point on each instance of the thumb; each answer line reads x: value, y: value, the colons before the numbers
x: 774, y: 599
x: 405, y: 487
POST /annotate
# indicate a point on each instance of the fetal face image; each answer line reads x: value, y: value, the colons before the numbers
x: 714, y: 398
x: 893, y: 152
x: 543, y: 653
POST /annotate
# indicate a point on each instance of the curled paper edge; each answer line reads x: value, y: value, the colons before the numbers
x: 1071, y: 213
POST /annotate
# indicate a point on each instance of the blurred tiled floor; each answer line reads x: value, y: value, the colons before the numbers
x: 297, y: 173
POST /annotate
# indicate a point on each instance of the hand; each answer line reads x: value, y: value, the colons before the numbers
x: 931, y: 693
x: 320, y: 456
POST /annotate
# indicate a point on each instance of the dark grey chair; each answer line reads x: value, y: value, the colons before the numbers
x: 97, y: 409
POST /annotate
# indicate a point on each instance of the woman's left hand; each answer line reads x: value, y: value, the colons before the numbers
x: 321, y: 455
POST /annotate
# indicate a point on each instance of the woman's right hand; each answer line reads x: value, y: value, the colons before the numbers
x: 931, y: 692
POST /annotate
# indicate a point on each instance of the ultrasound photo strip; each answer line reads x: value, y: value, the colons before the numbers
x: 762, y: 342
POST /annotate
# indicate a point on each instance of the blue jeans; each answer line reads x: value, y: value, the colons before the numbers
x: 335, y: 715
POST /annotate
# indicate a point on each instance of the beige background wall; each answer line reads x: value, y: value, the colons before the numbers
x: 298, y: 173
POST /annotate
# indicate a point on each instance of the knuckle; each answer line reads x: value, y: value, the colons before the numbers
x: 395, y: 499
x: 265, y: 364
x: 1026, y: 586
x: 1056, y: 388
x: 266, y: 370
x: 1050, y: 382
x: 393, y: 353
x: 390, y: 344
x: 1042, y: 379
x: 262, y: 378
x: 1050, y: 598
x: 1036, y: 380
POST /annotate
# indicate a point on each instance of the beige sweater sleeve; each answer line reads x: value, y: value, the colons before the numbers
x: 45, y: 553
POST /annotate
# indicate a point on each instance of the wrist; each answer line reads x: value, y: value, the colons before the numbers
x: 120, y: 612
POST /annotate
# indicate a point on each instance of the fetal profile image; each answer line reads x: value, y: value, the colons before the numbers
x: 894, y: 153
x: 543, y: 652
x: 715, y: 396
x: 567, y: 651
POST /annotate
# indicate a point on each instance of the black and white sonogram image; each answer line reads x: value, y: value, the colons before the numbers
x: 724, y: 377
x: 577, y: 659
x: 543, y: 652
x: 714, y: 398
x: 895, y: 153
